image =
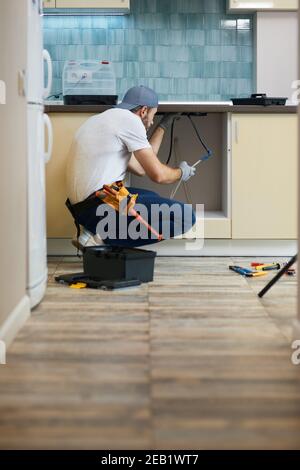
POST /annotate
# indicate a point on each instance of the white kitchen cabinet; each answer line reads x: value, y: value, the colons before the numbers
x: 109, y: 4
x: 49, y: 3
x: 264, y: 176
x: 59, y: 222
x: 262, y: 5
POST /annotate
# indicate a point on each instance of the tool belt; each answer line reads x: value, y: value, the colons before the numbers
x: 115, y: 195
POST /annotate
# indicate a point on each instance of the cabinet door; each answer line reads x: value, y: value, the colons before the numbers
x: 262, y: 5
x: 264, y: 176
x: 92, y: 3
x: 49, y: 3
x: 59, y: 221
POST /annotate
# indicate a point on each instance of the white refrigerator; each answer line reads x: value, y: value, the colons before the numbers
x: 23, y: 267
x: 38, y: 151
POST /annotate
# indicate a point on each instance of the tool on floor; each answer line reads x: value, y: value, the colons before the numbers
x: 108, y: 267
x: 256, y: 274
x: 268, y: 267
x: 239, y: 270
x: 290, y: 271
x: 273, y: 266
x: 246, y: 272
x: 278, y: 276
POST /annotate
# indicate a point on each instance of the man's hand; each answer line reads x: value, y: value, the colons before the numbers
x: 187, y: 171
x: 168, y: 119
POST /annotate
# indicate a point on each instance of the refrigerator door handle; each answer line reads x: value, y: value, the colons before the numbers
x: 48, y: 124
x: 47, y: 58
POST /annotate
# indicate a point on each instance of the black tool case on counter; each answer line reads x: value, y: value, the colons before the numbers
x: 109, y: 262
x: 259, y: 99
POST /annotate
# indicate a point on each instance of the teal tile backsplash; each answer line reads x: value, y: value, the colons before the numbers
x: 186, y: 50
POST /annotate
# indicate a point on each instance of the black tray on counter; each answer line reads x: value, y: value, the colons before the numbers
x: 89, y: 100
x: 259, y: 99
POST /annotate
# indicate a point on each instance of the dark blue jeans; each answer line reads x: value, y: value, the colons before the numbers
x: 169, y: 223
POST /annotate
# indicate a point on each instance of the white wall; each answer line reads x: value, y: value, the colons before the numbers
x: 277, y: 53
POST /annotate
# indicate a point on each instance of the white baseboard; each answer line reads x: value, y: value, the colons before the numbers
x: 210, y: 247
x: 15, y: 321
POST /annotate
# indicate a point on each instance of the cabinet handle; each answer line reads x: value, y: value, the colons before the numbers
x: 236, y: 132
x: 48, y: 125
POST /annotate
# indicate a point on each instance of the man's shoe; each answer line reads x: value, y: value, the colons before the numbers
x: 87, y: 239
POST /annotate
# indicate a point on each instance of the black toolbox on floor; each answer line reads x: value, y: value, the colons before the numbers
x: 118, y: 263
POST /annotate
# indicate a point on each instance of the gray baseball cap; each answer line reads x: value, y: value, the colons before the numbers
x: 139, y: 96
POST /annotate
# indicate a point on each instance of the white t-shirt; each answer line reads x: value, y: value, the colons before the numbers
x: 101, y: 150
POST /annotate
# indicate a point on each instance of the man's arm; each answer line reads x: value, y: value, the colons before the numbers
x: 135, y: 167
x: 156, y: 139
x: 157, y: 171
x: 145, y: 161
x: 158, y: 134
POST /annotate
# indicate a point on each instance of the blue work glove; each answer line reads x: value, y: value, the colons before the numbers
x: 168, y: 119
x: 187, y: 171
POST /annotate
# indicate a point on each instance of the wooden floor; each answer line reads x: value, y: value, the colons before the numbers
x: 194, y: 360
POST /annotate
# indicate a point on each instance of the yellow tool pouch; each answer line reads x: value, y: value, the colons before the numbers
x: 117, y: 196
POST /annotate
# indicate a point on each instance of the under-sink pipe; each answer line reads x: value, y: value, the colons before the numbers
x: 187, y: 191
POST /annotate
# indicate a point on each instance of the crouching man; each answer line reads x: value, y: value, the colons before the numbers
x: 104, y: 148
